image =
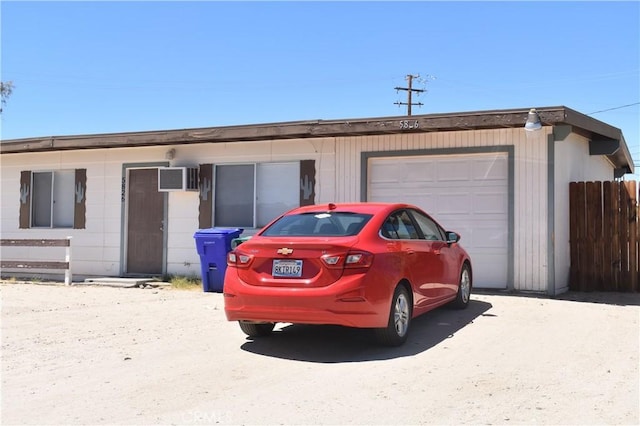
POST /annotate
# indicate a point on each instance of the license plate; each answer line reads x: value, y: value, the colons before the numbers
x: 287, y: 268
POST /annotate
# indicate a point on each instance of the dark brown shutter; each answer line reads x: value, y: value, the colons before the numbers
x: 80, y: 209
x: 25, y: 199
x: 205, y: 183
x: 307, y: 182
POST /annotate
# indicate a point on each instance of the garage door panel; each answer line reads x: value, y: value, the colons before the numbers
x: 490, y: 170
x: 451, y: 171
x: 473, y: 204
x: 416, y: 172
x: 392, y: 196
x: 485, y: 274
x: 404, y: 171
x: 466, y: 193
x: 453, y: 203
x: 384, y: 174
x: 489, y: 203
x: 490, y: 237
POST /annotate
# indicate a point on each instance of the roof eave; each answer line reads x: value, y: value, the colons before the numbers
x: 596, y: 130
x: 472, y: 120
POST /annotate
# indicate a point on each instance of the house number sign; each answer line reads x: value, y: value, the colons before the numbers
x: 409, y: 124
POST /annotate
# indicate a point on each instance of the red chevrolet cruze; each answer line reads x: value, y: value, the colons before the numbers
x: 367, y: 265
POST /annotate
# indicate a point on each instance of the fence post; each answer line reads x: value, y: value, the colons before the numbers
x: 633, y: 233
x: 616, y: 243
x: 609, y: 213
x: 574, y: 209
x: 625, y: 279
x: 67, y: 258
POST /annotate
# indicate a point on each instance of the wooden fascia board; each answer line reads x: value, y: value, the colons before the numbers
x: 307, y: 129
x: 592, y: 125
x: 560, y: 115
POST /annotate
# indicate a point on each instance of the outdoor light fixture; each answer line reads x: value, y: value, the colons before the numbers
x: 169, y: 155
x: 533, y: 121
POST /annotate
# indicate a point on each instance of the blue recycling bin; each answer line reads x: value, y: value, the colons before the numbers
x: 213, y: 244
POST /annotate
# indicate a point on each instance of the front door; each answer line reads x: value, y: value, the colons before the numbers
x: 145, y: 218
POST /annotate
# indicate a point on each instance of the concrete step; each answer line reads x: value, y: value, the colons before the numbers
x: 123, y: 282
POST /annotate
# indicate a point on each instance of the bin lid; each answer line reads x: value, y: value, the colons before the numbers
x: 224, y: 231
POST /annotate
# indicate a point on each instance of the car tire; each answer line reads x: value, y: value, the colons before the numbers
x: 464, y: 289
x: 397, y: 329
x: 252, y: 329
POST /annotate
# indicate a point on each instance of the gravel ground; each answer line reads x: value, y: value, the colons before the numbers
x: 101, y: 355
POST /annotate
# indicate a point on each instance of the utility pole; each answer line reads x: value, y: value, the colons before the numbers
x: 410, y: 91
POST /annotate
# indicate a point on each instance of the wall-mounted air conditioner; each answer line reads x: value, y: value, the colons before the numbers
x: 177, y: 179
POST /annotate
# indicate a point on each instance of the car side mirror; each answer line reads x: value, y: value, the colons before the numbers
x: 452, y: 237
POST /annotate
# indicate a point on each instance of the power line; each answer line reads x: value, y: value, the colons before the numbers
x: 611, y: 109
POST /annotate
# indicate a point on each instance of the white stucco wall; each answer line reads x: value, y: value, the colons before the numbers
x: 97, y: 249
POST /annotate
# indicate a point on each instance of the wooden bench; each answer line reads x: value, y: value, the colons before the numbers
x: 39, y: 264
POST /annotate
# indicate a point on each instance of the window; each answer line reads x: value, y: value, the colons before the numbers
x: 52, y: 202
x: 52, y: 199
x: 399, y: 226
x: 429, y: 228
x: 251, y: 195
x: 318, y: 224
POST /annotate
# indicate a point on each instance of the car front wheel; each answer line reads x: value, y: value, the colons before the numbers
x: 252, y: 329
x: 397, y: 329
x: 464, y: 289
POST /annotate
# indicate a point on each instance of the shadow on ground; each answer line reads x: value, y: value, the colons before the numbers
x: 609, y: 298
x: 334, y: 344
x: 604, y: 297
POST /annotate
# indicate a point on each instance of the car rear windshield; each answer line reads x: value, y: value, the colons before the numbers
x: 318, y: 224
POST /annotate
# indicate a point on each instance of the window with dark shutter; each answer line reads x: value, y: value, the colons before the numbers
x: 53, y: 199
x: 251, y: 195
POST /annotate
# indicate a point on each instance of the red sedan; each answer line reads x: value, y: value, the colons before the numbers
x: 366, y: 265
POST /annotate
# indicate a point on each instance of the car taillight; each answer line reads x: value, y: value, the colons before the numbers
x: 239, y: 260
x: 359, y: 259
x: 332, y: 261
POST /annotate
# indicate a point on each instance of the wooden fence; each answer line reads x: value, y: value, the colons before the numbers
x: 39, y: 264
x: 604, y: 236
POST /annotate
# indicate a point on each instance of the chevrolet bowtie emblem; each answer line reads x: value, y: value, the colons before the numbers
x: 285, y: 251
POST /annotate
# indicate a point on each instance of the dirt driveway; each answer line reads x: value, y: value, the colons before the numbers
x: 96, y: 355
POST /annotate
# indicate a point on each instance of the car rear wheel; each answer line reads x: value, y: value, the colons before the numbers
x: 256, y: 329
x: 464, y: 289
x: 397, y: 329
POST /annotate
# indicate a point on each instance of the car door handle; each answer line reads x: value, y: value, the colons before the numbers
x: 411, y: 252
x: 437, y: 248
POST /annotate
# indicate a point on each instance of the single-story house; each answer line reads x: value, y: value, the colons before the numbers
x: 132, y: 201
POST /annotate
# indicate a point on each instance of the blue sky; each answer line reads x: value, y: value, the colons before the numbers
x: 99, y: 67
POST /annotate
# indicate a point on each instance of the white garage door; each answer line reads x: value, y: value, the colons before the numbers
x: 465, y: 193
